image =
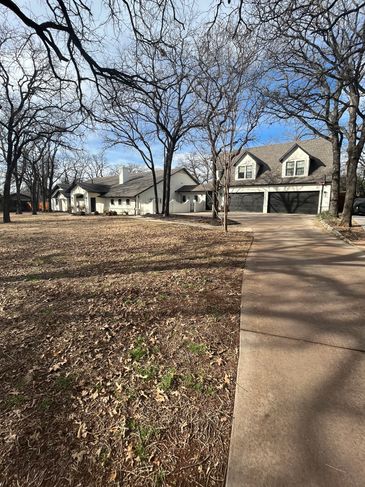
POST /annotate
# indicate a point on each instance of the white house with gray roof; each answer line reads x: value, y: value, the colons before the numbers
x: 131, y: 194
x: 292, y: 177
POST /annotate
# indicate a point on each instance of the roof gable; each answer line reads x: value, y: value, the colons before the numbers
x: 291, y: 150
x: 247, y: 153
x: 270, y: 171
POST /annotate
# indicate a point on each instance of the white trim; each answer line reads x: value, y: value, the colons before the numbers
x: 295, y: 162
x: 326, y: 189
x: 247, y: 160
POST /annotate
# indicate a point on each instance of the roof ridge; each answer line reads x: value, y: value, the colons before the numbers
x: 293, y: 142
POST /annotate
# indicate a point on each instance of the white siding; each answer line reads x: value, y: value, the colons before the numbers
x: 297, y: 155
x: 247, y: 160
x: 145, y: 199
x: 120, y: 205
x: 60, y: 203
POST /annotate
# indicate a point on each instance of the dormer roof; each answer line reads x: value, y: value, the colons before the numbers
x: 296, y: 145
x: 272, y: 155
x: 247, y: 153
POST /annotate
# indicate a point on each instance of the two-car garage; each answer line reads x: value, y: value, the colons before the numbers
x: 305, y: 202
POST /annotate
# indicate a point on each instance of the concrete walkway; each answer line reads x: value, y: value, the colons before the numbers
x: 299, y: 416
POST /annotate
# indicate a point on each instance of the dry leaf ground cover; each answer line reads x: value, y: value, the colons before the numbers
x: 118, y: 351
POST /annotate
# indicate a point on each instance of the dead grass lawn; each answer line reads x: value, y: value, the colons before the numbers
x: 118, y: 351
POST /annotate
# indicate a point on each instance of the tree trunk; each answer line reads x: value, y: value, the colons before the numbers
x: 49, y: 202
x: 335, y: 185
x: 164, y: 190
x: 44, y: 200
x: 226, y: 205
x: 6, y: 197
x: 18, y: 199
x: 167, y: 179
x: 354, y: 150
x: 215, y: 190
x: 155, y: 190
x: 346, y: 220
x: 167, y: 195
x: 34, y: 191
x: 226, y: 194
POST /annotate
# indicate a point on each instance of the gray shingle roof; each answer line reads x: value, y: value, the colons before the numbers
x: 268, y: 156
x: 104, y: 181
x: 136, y: 185
x: 64, y: 188
x: 198, y: 188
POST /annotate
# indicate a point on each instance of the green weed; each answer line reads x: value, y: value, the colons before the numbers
x: 15, y: 401
x: 197, y: 347
x: 167, y: 380
x: 64, y: 382
x: 139, y: 350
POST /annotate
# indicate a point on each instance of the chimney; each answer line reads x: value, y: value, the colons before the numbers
x: 123, y: 175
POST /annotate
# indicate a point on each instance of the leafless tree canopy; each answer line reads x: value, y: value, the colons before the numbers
x: 71, y: 30
x: 37, y: 109
x: 156, y: 74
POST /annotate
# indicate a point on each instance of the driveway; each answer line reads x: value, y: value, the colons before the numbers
x: 299, y: 417
x: 360, y: 219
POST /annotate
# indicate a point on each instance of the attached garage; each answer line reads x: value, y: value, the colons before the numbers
x: 305, y: 202
x: 247, y: 202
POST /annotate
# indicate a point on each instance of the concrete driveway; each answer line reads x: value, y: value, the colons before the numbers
x: 360, y: 220
x: 299, y: 417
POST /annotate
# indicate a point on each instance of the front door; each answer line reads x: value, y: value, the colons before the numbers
x: 92, y: 205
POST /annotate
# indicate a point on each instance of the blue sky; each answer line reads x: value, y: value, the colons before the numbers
x: 265, y: 134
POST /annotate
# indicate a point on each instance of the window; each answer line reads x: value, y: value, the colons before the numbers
x: 290, y: 168
x: 294, y: 168
x: 196, y: 197
x: 112, y: 201
x: 245, y: 172
x: 119, y: 201
x: 299, y: 168
x: 127, y: 201
x: 184, y: 198
x: 249, y: 172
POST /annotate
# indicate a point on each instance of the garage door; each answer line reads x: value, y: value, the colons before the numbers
x: 294, y: 202
x: 246, y: 202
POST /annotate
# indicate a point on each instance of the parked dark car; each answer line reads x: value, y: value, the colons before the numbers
x: 359, y: 206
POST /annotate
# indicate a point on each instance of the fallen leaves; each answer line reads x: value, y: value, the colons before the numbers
x: 120, y: 351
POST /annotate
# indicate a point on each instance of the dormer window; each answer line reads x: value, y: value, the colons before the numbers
x: 245, y: 172
x: 295, y: 168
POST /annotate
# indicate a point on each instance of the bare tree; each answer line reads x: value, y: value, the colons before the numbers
x: 199, y: 165
x: 128, y: 125
x: 317, y: 52
x: 229, y: 73
x: 169, y: 107
x: 34, y: 104
x: 70, y: 33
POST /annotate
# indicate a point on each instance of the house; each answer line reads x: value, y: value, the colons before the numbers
x: 133, y: 194
x: 292, y: 177
x: 61, y: 197
x: 25, y: 202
